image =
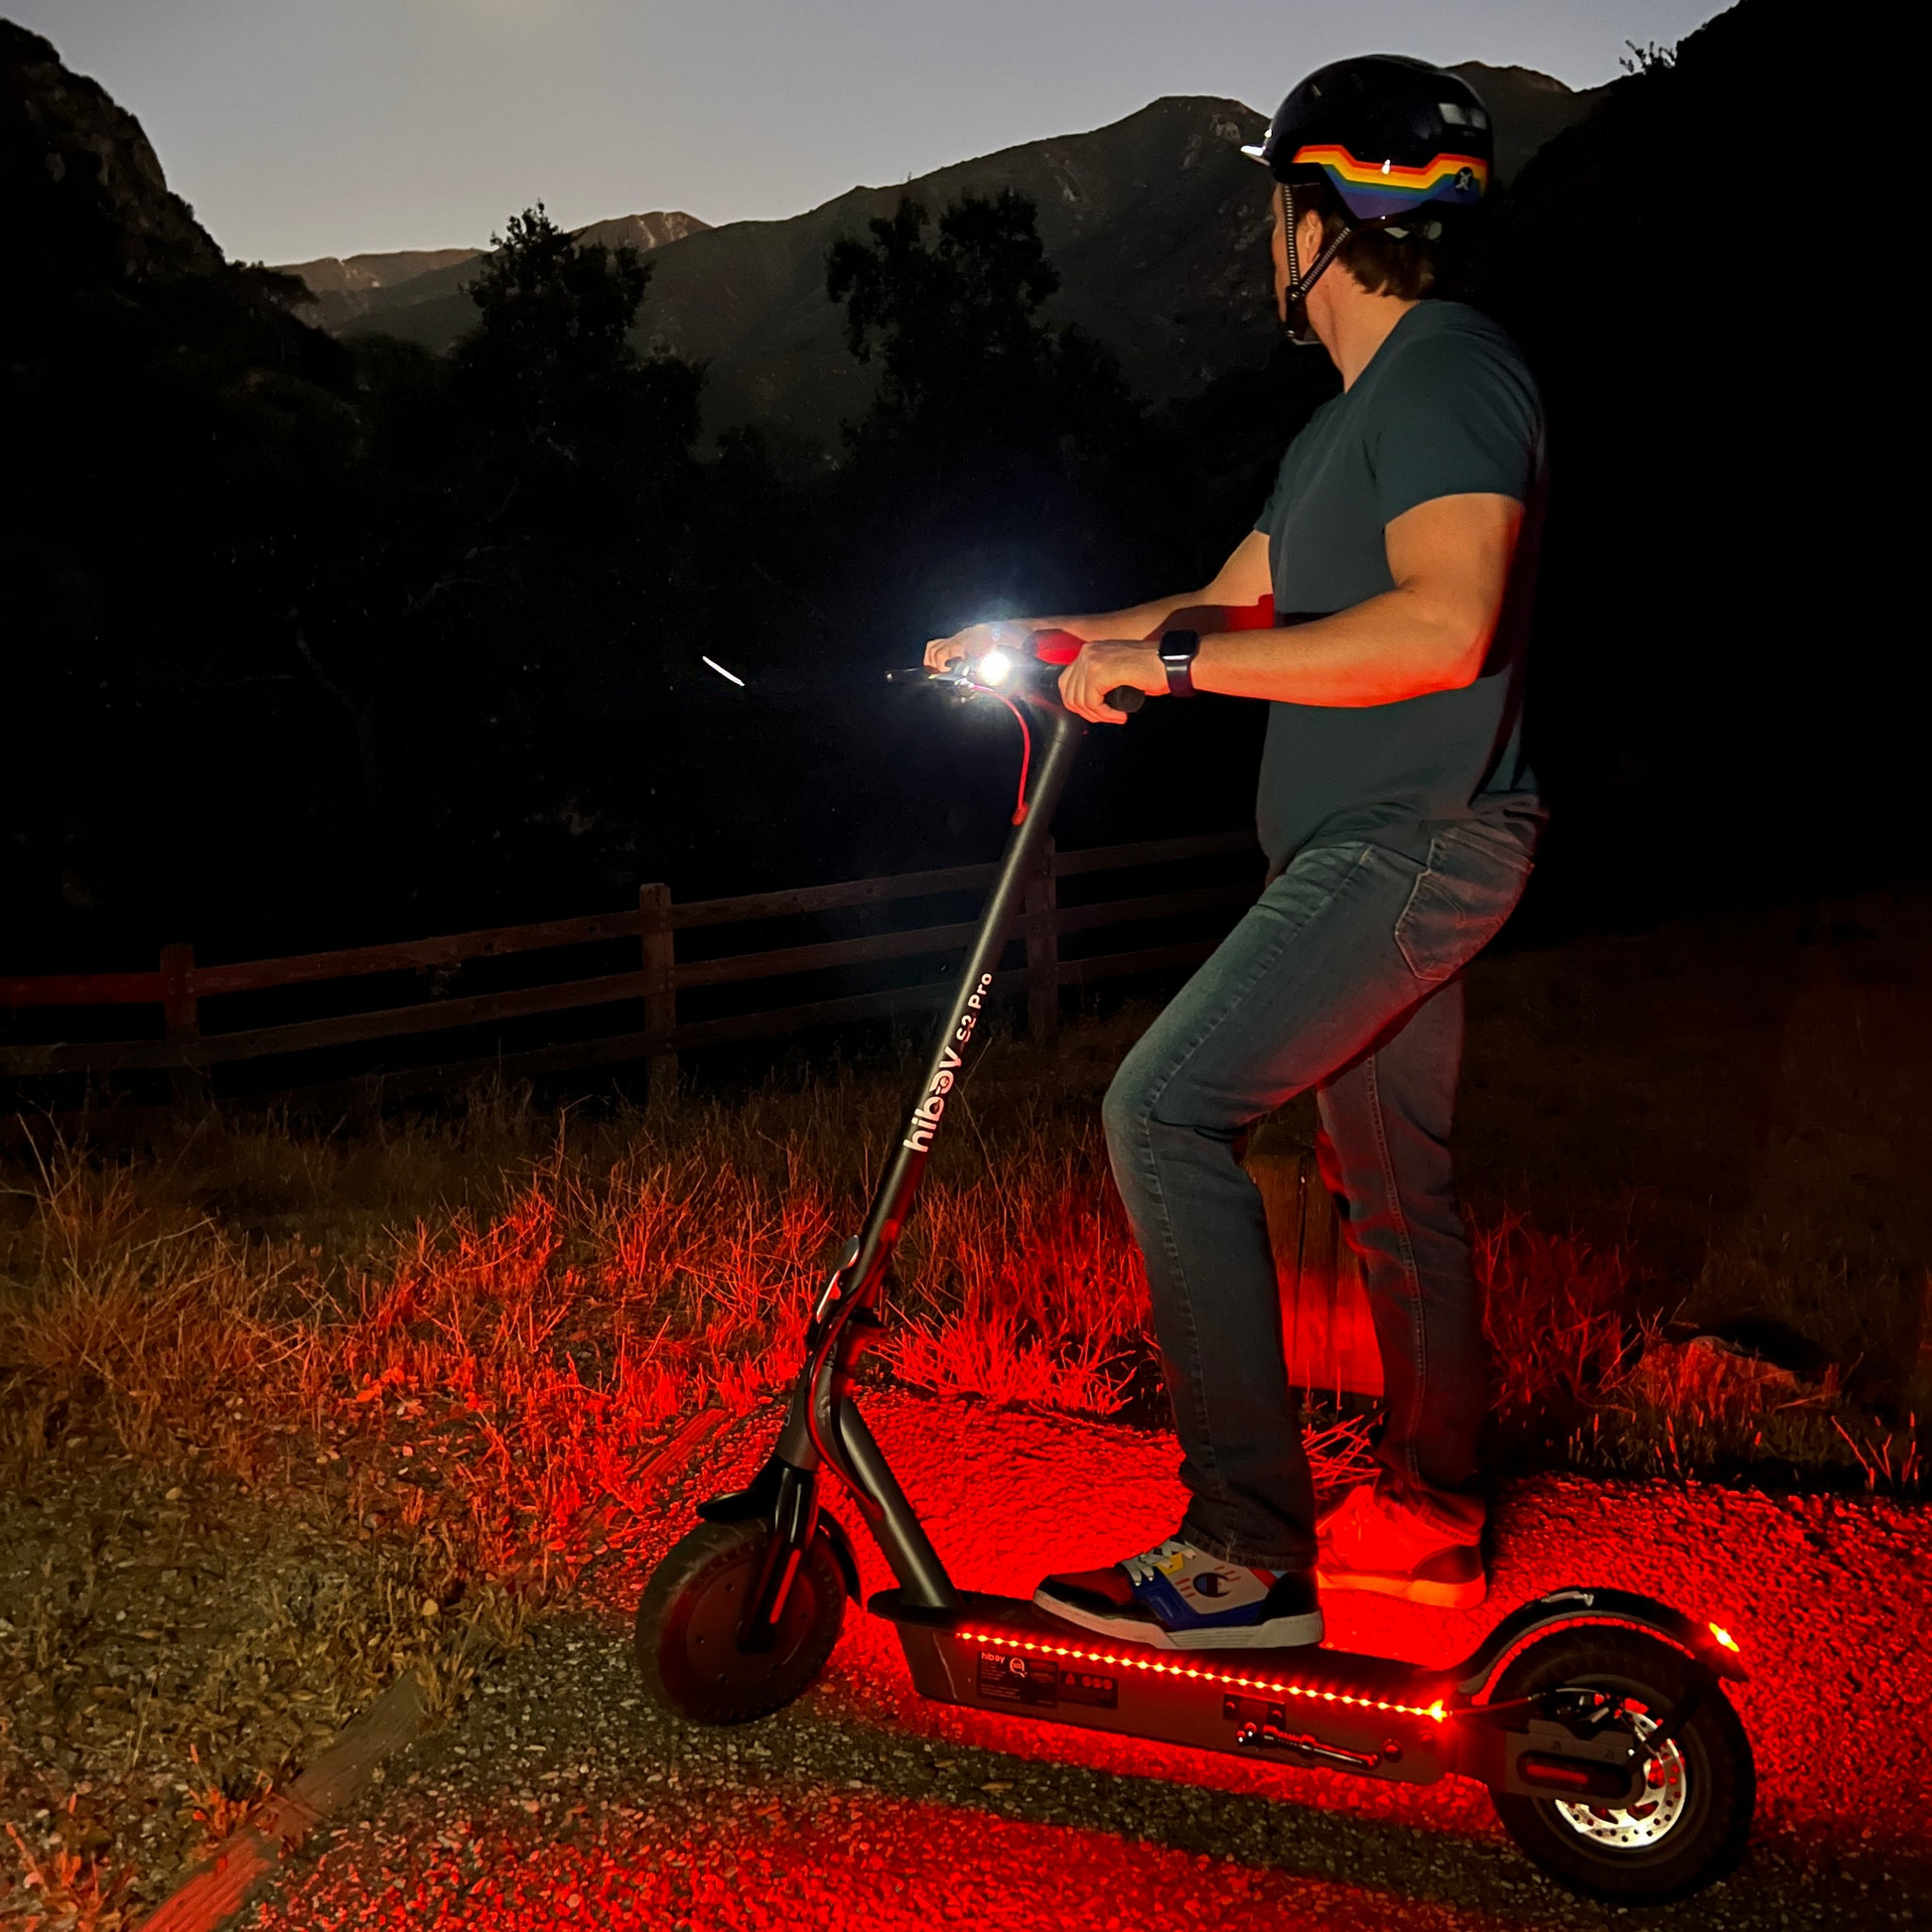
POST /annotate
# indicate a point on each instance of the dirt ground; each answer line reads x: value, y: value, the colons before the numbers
x: 563, y: 1798
x: 172, y: 1646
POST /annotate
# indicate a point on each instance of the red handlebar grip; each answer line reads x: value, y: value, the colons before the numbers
x: 1054, y: 646
x: 1062, y: 646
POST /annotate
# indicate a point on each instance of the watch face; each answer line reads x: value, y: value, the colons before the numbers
x: 1177, y: 650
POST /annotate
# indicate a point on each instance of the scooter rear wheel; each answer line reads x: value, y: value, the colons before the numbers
x: 1693, y: 1831
x: 688, y: 1620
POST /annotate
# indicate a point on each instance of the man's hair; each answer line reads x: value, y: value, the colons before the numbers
x: 1379, y: 262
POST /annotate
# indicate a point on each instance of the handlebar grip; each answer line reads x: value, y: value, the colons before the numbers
x: 1125, y: 698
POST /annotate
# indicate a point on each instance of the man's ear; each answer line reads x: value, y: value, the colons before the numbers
x: 1307, y: 233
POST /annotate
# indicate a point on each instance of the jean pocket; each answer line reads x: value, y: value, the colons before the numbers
x: 1459, y: 901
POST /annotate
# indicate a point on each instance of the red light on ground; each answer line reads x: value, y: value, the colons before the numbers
x: 1725, y: 1637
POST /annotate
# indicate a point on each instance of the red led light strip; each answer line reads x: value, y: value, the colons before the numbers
x: 1434, y: 1712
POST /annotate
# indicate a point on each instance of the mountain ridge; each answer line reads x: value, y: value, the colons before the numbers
x: 344, y: 288
x: 1153, y: 221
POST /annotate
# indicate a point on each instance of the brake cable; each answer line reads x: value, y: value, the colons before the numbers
x: 1026, y: 751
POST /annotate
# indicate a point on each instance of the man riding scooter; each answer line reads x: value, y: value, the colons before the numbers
x: 1399, y: 819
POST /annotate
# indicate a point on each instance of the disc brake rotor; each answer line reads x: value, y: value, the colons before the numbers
x: 1640, y: 1826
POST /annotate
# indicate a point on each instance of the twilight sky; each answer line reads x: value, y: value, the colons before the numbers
x: 325, y: 127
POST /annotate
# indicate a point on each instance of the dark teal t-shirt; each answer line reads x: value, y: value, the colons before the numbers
x: 1446, y: 408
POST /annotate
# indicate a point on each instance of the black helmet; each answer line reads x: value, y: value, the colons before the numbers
x: 1391, y: 137
x: 1389, y: 134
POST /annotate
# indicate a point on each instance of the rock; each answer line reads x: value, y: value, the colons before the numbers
x: 1708, y: 1374
x: 85, y: 167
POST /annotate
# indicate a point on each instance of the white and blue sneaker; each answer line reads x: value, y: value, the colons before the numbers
x: 1177, y: 1598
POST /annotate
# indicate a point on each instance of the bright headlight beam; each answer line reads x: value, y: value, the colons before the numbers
x: 994, y: 667
x: 730, y: 677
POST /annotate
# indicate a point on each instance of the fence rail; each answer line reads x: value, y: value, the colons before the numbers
x: 180, y: 1042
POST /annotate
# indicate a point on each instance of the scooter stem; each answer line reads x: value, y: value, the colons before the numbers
x: 893, y: 1199
x: 821, y: 1417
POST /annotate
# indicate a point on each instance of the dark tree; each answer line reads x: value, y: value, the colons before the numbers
x: 979, y: 476
x: 954, y: 323
x: 539, y: 491
x: 551, y: 381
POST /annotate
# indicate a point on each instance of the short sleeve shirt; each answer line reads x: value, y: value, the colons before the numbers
x: 1446, y: 408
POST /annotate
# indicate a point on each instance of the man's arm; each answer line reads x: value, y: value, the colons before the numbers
x: 1241, y: 580
x: 1450, y: 558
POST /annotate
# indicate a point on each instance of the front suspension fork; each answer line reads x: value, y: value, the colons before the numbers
x: 794, y: 1522
x: 785, y: 1494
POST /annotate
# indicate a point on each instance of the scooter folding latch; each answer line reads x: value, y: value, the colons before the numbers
x: 832, y: 1295
x: 1270, y: 1737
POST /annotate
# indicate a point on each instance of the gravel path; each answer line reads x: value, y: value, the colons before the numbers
x: 170, y: 1645
x: 561, y: 1798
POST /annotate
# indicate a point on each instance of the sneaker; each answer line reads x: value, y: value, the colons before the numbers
x: 1177, y: 1598
x: 1334, y: 1497
x: 1373, y: 1541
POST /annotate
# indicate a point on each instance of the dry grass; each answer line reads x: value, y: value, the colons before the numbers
x: 484, y: 1364
x: 67, y: 1891
x: 489, y: 1372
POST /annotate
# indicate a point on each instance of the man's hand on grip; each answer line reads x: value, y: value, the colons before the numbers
x: 1107, y: 666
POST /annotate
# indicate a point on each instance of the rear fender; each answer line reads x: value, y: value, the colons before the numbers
x: 1578, y: 1609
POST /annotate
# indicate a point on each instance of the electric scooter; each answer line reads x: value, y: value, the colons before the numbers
x: 1596, y: 1717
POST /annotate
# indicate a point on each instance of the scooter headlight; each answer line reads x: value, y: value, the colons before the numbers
x: 994, y: 668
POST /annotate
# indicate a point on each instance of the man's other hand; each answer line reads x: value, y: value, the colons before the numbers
x: 975, y: 640
x: 1104, y: 667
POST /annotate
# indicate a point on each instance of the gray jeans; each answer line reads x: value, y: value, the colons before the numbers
x: 1342, y: 977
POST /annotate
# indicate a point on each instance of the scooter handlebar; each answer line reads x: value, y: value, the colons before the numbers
x: 1032, y: 676
x: 1059, y: 648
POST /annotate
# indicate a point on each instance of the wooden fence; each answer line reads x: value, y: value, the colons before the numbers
x: 193, y: 1028
x: 200, y: 1018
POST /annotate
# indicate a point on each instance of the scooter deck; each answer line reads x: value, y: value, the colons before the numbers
x: 1371, y: 1715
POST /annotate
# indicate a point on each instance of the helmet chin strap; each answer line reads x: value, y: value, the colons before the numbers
x: 1299, y: 330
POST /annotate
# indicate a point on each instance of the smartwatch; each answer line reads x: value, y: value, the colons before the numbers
x: 1177, y: 648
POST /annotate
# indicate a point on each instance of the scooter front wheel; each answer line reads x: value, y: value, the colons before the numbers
x: 689, y: 1618
x: 1691, y: 1825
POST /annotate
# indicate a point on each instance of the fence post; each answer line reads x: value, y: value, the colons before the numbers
x: 181, y: 1022
x: 1327, y: 1332
x: 1043, y: 952
x: 660, y: 993
x: 1926, y: 1332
